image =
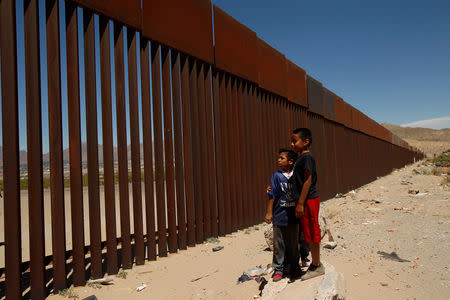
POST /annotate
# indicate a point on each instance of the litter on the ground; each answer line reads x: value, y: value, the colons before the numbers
x: 141, y: 287
x: 255, y: 273
x: 329, y: 245
x: 339, y: 195
x: 106, y: 280
x: 218, y: 248
x: 413, y: 192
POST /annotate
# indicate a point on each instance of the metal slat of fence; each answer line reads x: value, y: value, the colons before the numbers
x: 108, y: 156
x: 76, y: 184
x: 203, y: 156
x: 252, y: 153
x: 34, y: 151
x: 148, y: 151
x: 55, y: 141
x: 92, y: 144
x: 234, y: 159
x: 168, y: 148
x: 226, y: 112
x: 246, y: 211
x: 158, y: 144
x: 210, y: 151
x: 223, y: 81
x: 198, y: 200
x: 139, y: 250
x: 10, y: 149
x: 240, y: 161
x: 219, y: 151
x: 122, y: 158
x: 187, y: 149
x: 178, y: 138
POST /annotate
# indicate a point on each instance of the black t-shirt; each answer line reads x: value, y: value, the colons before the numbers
x: 304, y: 162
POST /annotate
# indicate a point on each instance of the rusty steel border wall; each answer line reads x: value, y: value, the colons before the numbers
x: 221, y: 114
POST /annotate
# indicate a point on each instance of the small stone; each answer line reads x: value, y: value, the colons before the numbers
x: 383, y: 284
x: 332, y: 287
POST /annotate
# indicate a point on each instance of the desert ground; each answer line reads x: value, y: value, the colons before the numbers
x: 392, y: 237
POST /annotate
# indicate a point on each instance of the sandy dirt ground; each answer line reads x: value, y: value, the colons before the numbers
x: 391, y: 245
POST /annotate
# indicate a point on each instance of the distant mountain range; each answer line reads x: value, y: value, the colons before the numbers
x: 66, y: 155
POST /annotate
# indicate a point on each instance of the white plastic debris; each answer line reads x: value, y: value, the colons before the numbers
x: 141, y: 287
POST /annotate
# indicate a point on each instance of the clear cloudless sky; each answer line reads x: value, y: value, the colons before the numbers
x: 388, y: 58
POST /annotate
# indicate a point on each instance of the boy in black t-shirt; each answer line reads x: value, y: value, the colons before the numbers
x: 304, y: 191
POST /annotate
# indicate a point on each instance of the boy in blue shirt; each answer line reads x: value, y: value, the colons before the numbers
x: 281, y: 213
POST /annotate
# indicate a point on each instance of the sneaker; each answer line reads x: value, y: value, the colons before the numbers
x: 314, y: 271
x: 305, y: 263
x: 277, y: 277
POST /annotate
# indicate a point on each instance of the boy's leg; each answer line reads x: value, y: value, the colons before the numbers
x: 304, y: 246
x: 278, y: 250
x: 291, y: 252
x: 311, y: 232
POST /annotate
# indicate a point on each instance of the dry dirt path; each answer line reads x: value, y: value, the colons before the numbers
x: 415, y: 227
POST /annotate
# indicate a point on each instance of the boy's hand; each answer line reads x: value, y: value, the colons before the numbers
x: 298, y: 210
x: 269, y: 218
x: 268, y: 188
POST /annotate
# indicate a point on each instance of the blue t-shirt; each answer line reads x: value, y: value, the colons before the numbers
x: 283, y: 210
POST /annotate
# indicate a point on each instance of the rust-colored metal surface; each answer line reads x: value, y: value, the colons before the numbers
x: 76, y: 184
x: 34, y: 151
x: 272, y: 69
x: 226, y: 133
x: 196, y: 156
x: 315, y: 96
x: 328, y: 104
x: 139, y: 251
x: 296, y: 84
x: 148, y: 151
x: 108, y: 156
x: 11, y: 192
x: 210, y: 150
x: 187, y: 148
x: 56, y: 151
x: 158, y: 146
x: 92, y: 144
x: 219, y: 153
x: 127, y: 12
x: 236, y: 49
x: 178, y: 139
x: 122, y: 147
x: 203, y: 165
x: 184, y: 25
x: 168, y: 152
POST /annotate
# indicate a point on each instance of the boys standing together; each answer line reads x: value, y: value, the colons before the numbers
x: 293, y: 201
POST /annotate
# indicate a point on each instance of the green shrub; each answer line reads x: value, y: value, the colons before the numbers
x: 442, y: 160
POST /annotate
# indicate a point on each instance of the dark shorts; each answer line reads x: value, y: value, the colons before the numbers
x: 310, y: 221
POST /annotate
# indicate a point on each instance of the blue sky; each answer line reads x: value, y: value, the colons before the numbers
x: 390, y: 59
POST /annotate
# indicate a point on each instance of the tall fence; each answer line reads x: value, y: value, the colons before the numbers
x: 196, y: 120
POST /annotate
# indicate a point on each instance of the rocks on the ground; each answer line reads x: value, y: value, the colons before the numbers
x: 273, y: 288
x: 332, y: 287
x: 329, y: 245
x: 413, y: 192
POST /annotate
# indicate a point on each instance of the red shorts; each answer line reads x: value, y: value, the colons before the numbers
x: 310, y: 221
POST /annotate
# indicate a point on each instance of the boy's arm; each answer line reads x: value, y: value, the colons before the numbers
x: 270, y: 193
x: 303, y: 194
x: 269, y: 214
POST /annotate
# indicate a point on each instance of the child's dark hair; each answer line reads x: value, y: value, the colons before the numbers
x: 290, y: 154
x: 304, y: 134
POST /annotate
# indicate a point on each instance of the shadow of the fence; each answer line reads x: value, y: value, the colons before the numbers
x: 26, y: 275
